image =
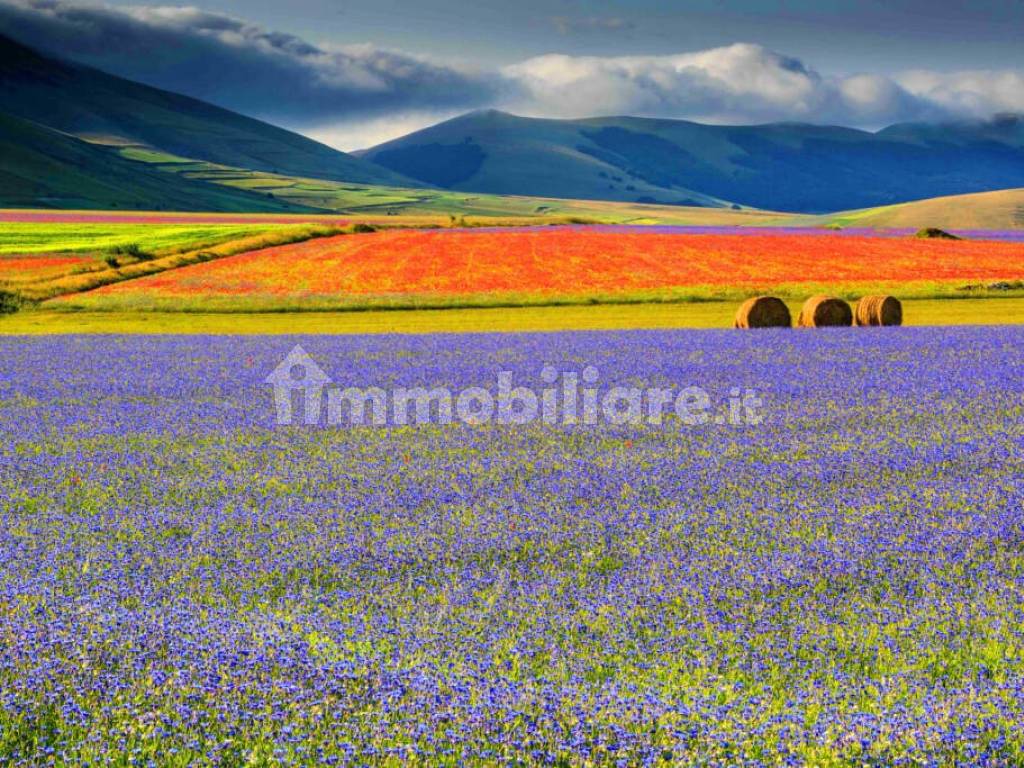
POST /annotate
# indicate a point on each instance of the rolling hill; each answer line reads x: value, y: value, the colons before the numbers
x: 44, y: 168
x: 498, y: 153
x: 433, y: 206
x: 90, y: 104
x: 1003, y: 209
x: 787, y: 167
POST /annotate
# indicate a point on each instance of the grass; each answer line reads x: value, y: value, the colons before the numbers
x: 436, y: 204
x: 45, y: 168
x: 75, y: 298
x: 1002, y: 209
x: 30, y: 237
x: 596, y: 317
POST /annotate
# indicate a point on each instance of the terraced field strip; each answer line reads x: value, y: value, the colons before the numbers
x: 924, y: 312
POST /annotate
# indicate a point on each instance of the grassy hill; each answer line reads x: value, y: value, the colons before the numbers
x: 499, y: 153
x: 87, y: 103
x: 788, y: 167
x: 432, y: 206
x: 1003, y: 209
x: 44, y: 168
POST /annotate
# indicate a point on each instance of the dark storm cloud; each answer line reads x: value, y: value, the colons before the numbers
x: 354, y: 96
x: 240, y: 65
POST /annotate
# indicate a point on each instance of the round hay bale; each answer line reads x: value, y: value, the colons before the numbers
x: 825, y: 312
x: 879, y: 310
x: 763, y: 312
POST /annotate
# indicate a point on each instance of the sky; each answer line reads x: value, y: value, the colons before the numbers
x: 353, y: 73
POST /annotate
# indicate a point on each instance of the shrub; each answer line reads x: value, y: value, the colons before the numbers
x: 132, y: 250
x: 362, y: 229
x: 111, y: 261
x: 934, y: 233
x: 9, y: 302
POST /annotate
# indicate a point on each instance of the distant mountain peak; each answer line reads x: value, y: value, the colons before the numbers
x: 797, y: 167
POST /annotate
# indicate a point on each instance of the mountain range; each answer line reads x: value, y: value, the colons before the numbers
x: 64, y: 128
x: 784, y: 167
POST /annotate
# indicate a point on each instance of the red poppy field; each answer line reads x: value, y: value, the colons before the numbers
x: 22, y: 269
x: 422, y: 268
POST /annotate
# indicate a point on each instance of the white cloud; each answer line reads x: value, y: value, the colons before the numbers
x: 739, y: 83
x: 369, y: 132
x: 974, y: 94
x: 240, y: 65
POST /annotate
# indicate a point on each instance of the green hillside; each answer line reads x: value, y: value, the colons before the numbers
x: 42, y: 168
x: 85, y: 102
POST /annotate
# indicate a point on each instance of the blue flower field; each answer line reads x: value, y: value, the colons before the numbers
x: 183, y: 582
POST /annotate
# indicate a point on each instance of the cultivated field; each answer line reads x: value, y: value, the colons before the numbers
x: 47, y: 259
x: 564, y: 265
x: 557, y: 317
x: 77, y: 234
x: 185, y: 583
